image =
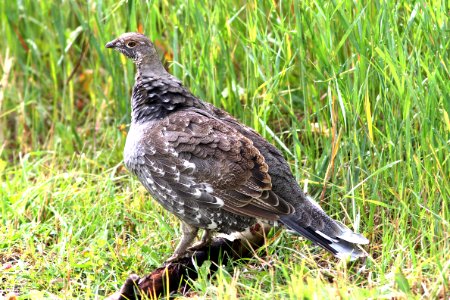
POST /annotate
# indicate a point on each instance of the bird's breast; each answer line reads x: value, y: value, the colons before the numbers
x: 137, y: 145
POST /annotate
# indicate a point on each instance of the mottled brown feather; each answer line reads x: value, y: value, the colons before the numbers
x: 240, y: 175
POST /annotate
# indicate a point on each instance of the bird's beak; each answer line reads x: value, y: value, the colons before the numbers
x: 111, y: 44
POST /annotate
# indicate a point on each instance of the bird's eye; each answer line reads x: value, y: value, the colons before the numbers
x: 131, y: 44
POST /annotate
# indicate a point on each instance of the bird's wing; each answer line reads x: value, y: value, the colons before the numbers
x: 224, y: 162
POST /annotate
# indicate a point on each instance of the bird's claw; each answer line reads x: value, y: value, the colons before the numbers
x: 177, y: 256
x: 197, y: 246
x: 173, y: 258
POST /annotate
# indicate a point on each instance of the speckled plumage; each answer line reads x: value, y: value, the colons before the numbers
x: 208, y: 169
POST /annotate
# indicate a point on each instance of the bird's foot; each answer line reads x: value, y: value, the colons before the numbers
x: 197, y: 246
x: 183, y: 247
x: 206, y: 240
x: 189, y: 234
x: 173, y: 258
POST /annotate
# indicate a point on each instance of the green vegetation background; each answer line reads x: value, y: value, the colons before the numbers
x: 355, y: 93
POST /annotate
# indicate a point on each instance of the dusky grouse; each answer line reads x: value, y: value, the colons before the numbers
x: 208, y: 169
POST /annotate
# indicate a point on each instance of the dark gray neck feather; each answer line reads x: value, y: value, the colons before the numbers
x: 157, y: 95
x: 150, y: 65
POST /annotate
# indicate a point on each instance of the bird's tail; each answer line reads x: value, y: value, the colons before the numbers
x: 310, y: 221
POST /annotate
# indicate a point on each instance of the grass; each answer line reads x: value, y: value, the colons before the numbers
x: 355, y: 93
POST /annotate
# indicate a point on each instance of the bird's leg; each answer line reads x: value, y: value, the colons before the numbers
x: 189, y: 235
x: 205, y: 240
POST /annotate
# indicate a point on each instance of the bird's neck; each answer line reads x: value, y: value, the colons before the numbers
x: 150, y: 66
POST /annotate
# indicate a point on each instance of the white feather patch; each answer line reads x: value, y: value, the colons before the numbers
x: 150, y: 180
x: 326, y: 237
x: 189, y: 165
x: 212, y: 226
x: 219, y: 201
x: 197, y: 194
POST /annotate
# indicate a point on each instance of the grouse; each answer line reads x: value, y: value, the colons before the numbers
x: 208, y: 169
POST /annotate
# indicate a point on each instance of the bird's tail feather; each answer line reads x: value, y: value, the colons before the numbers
x: 310, y: 221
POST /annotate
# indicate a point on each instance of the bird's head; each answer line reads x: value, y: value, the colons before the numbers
x: 133, y: 45
x: 139, y: 48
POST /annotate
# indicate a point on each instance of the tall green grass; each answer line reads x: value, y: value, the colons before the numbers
x: 356, y: 94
